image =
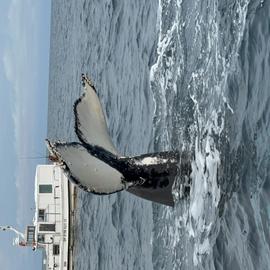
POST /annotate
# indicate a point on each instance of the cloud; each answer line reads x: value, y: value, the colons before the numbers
x: 21, y: 69
x: 7, y: 64
x: 21, y: 64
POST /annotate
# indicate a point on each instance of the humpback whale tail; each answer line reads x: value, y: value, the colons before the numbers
x: 95, y: 165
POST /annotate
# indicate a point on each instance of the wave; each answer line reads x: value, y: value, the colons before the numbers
x: 188, y: 81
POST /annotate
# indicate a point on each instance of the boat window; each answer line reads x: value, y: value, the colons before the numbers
x: 56, y: 250
x: 45, y: 188
x: 47, y: 227
x: 30, y: 234
x: 41, y: 215
x: 41, y: 238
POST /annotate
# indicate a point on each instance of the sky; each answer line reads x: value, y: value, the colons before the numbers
x: 24, y: 73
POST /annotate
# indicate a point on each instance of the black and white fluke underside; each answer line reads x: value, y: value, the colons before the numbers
x: 95, y: 165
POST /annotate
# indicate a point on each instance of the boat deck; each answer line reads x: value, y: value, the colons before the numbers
x: 72, y: 208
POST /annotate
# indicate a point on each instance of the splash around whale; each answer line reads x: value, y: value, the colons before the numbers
x: 95, y: 165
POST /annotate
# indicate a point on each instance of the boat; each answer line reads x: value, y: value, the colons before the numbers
x: 52, y: 228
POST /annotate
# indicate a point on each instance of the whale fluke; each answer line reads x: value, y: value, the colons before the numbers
x: 85, y: 170
x: 95, y: 165
x: 90, y: 123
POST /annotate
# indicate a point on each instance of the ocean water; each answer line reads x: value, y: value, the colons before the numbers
x: 172, y: 74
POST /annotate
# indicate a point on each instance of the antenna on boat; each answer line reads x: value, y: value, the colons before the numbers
x: 50, y: 157
x: 40, y: 157
x: 34, y: 155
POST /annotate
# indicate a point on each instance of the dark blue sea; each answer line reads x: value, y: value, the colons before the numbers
x: 172, y: 75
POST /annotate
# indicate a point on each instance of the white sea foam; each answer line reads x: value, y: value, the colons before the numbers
x: 204, y: 198
x: 206, y: 88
